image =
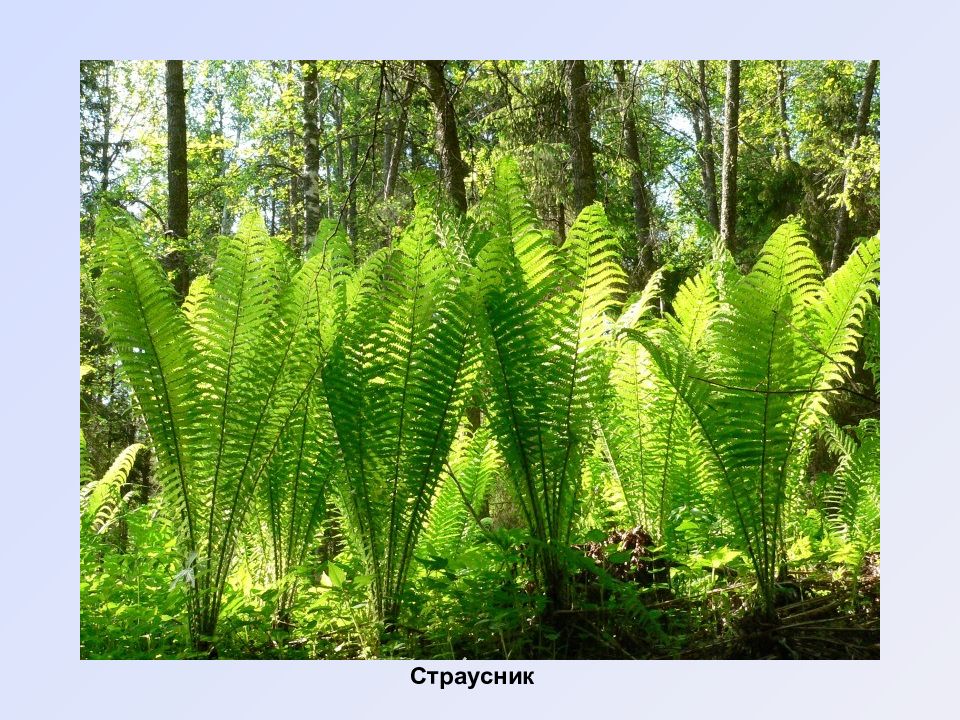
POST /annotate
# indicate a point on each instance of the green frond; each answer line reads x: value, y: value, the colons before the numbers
x: 838, y: 440
x: 101, y: 500
x: 149, y: 333
x: 640, y: 306
x: 853, y: 500
x: 871, y: 341
x: 773, y: 346
x: 200, y: 290
x: 649, y: 431
x: 841, y: 305
x: 544, y: 319
x: 331, y: 238
x: 396, y: 384
x: 219, y: 382
x: 473, y: 466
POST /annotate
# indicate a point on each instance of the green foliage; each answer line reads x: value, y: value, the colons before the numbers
x: 455, y: 517
x: 127, y: 609
x: 281, y: 390
x: 651, y: 439
x: 781, y: 341
x: 542, y: 322
x: 396, y: 383
x: 218, y: 383
x: 102, y: 500
x: 853, y: 497
x: 871, y: 341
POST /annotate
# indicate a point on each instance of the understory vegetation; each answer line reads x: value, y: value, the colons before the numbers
x: 474, y: 443
x: 487, y: 435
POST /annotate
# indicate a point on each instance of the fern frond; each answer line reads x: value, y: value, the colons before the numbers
x: 220, y: 381
x: 779, y: 340
x: 200, y: 290
x: 647, y: 426
x: 101, y: 500
x: 150, y: 335
x: 840, y: 307
x: 640, y: 305
x: 853, y: 500
x: 543, y: 324
x: 396, y: 384
x: 473, y: 466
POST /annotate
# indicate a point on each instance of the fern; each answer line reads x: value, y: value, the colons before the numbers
x: 782, y: 341
x: 101, y: 500
x: 853, y: 499
x: 396, y: 384
x: 543, y: 322
x: 871, y: 341
x: 647, y: 428
x: 218, y: 381
x: 473, y: 467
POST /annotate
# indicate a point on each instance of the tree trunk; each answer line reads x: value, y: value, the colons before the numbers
x: 452, y: 168
x: 352, y: 192
x: 841, y: 238
x: 178, y: 208
x: 578, y: 126
x: 389, y: 126
x: 311, y: 153
x: 396, y: 154
x: 731, y: 139
x: 293, y: 182
x: 784, y: 120
x: 226, y: 216
x: 105, y: 139
x: 338, y: 174
x: 641, y: 198
x: 708, y: 170
x: 561, y: 221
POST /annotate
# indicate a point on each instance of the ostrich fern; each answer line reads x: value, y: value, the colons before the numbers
x: 542, y: 326
x: 652, y: 445
x: 853, y: 498
x: 101, y: 500
x: 473, y: 466
x: 780, y: 341
x: 396, y: 384
x: 219, y: 381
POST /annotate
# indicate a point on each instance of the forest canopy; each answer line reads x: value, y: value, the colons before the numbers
x: 487, y: 359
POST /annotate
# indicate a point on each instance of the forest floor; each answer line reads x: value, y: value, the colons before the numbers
x: 821, y: 619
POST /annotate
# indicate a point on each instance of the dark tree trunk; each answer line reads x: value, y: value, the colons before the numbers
x: 338, y: 173
x: 452, y: 167
x: 398, y: 144
x: 731, y: 140
x: 561, y: 222
x: 708, y: 171
x: 841, y: 238
x: 578, y: 127
x: 311, y: 153
x: 293, y: 183
x: 641, y: 197
x: 352, y: 192
x: 784, y: 120
x: 105, y: 139
x: 178, y: 208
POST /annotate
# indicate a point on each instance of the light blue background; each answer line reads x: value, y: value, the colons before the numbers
x: 42, y: 674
